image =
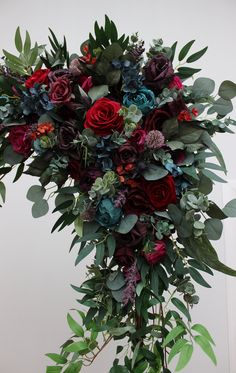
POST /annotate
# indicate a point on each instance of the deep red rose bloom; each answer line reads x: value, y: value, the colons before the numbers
x: 40, y: 76
x: 124, y: 256
x: 176, y: 106
x: 60, y: 90
x: 103, y: 117
x: 20, y: 139
x: 160, y: 192
x: 155, y: 119
x: 158, y: 253
x: 137, y: 201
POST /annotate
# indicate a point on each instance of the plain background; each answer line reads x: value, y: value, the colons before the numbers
x: 35, y: 267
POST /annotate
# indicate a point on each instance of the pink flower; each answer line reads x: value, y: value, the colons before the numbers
x: 176, y: 83
x: 157, y: 254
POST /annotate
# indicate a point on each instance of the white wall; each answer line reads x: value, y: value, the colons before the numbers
x: 35, y: 267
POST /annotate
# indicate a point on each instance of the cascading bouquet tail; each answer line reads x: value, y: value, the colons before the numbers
x: 125, y: 147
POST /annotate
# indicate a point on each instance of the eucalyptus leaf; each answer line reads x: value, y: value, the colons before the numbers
x: 227, y: 90
x: 2, y: 191
x: 127, y: 223
x: 203, y: 331
x: 97, y: 92
x: 35, y: 193
x: 175, y: 332
x: 213, y: 228
x: 40, y: 208
x: 154, y: 172
x: 196, y: 276
x: 203, y: 87
x: 230, y: 209
x: 194, y: 57
x: 115, y: 281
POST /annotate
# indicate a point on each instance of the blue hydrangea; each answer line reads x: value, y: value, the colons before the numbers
x: 144, y: 99
x: 173, y: 169
x: 36, y: 101
x: 107, y: 214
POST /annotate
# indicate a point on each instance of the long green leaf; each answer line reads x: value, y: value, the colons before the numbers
x: 185, y: 355
x: 173, y: 334
x: 194, y: 57
x: 181, y: 306
x: 84, y: 252
x: 199, y: 328
x: 176, y: 348
x: 18, y: 40
x: 206, y: 347
x: 75, y: 327
x: 184, y: 51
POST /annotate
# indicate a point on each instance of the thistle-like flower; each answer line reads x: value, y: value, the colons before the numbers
x: 154, y: 139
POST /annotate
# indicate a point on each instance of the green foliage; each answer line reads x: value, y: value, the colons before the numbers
x: 127, y: 223
x: 227, y: 90
x: 184, y: 357
x: 28, y: 58
x: 106, y: 36
x: 2, y: 191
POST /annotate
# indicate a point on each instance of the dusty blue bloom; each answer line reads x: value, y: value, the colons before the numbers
x: 144, y: 99
x: 107, y: 214
x: 173, y: 169
x: 36, y: 101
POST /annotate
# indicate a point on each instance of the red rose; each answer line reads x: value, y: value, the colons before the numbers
x: 103, y: 117
x: 60, y: 90
x: 155, y: 119
x: 20, y: 140
x: 40, y: 76
x: 157, y: 254
x: 160, y: 192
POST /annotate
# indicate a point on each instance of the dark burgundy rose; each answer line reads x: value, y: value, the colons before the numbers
x: 135, y: 237
x: 138, y: 138
x: 88, y: 176
x: 124, y: 256
x: 60, y: 90
x: 125, y: 154
x: 67, y: 133
x: 155, y: 119
x: 161, y: 192
x: 158, y: 72
x: 74, y: 169
x: 20, y: 139
x: 176, y: 106
x: 137, y: 202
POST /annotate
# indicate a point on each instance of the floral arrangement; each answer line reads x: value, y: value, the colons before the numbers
x: 125, y: 147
